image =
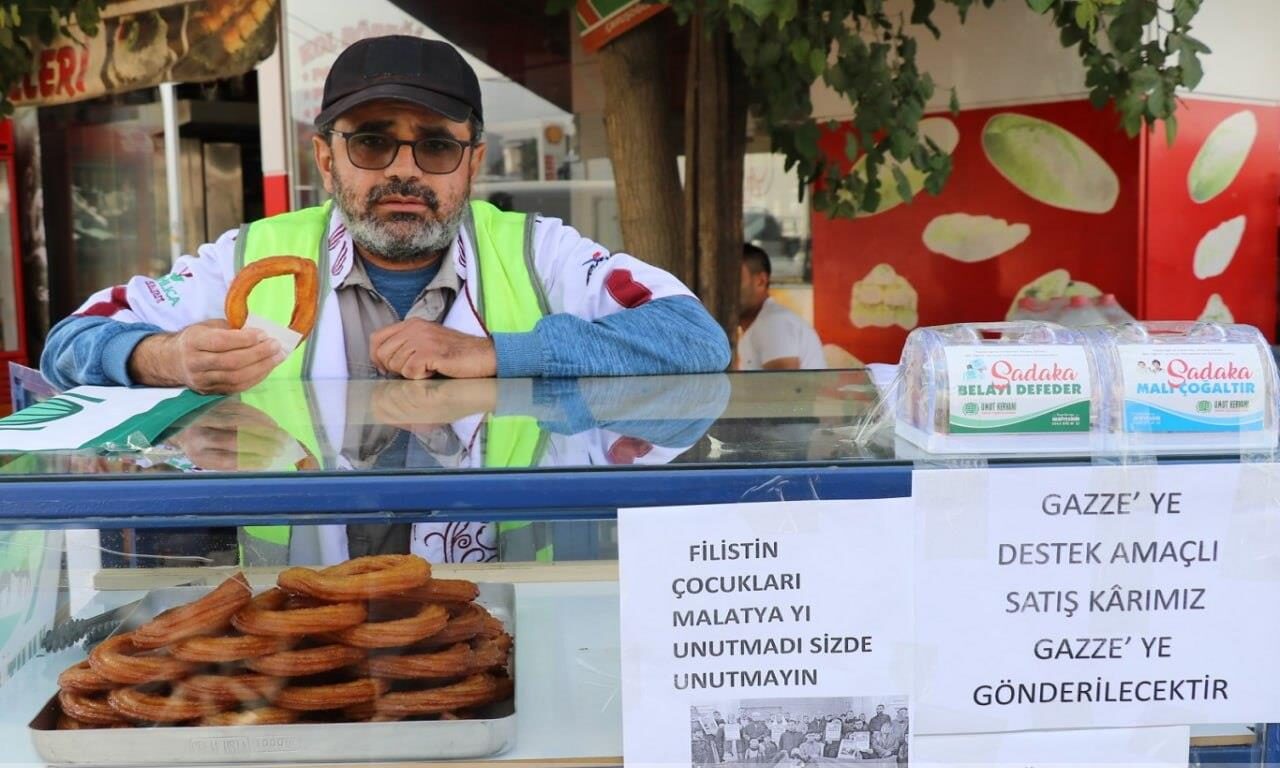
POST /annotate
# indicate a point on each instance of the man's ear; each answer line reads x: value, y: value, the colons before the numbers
x: 324, y: 161
x: 477, y: 160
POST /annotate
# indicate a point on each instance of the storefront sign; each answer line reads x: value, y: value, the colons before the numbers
x: 600, y: 21
x: 1080, y: 597
x: 743, y: 619
x: 189, y: 42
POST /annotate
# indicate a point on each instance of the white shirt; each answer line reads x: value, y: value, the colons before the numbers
x: 777, y: 333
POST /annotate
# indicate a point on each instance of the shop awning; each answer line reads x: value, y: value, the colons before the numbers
x: 142, y: 43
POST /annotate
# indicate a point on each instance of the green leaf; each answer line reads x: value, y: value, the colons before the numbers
x: 800, y: 50
x: 1170, y: 129
x: 786, y: 11
x: 1040, y: 6
x: 1086, y: 15
x: 954, y: 104
x: 760, y: 9
x: 817, y: 62
x: 903, y: 185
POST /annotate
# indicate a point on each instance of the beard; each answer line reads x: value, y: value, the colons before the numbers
x: 400, y: 237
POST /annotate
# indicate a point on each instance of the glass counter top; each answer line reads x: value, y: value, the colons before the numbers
x: 387, y: 426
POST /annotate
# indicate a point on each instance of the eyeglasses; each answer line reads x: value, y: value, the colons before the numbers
x: 375, y: 151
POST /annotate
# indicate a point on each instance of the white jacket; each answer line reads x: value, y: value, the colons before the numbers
x: 580, y: 278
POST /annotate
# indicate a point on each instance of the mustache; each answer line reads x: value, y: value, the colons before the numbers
x: 411, y: 189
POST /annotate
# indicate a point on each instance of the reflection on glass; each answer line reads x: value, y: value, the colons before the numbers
x: 8, y: 291
x: 119, y: 206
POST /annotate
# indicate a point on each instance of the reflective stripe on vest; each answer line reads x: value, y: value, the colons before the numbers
x: 301, y: 233
x: 511, y: 299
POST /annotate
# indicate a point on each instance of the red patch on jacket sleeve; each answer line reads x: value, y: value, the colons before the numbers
x: 626, y: 450
x: 117, y: 301
x: 625, y: 290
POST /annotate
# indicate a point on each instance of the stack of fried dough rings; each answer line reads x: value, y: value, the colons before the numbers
x: 372, y: 639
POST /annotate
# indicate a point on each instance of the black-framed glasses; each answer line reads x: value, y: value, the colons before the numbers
x: 375, y: 151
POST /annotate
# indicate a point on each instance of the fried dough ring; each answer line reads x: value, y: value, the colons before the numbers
x: 267, y: 615
x: 309, y: 661
x: 208, y: 615
x: 458, y: 661
x: 426, y: 621
x: 81, y: 678
x: 225, y: 690
x: 229, y: 648
x: 465, y: 623
x: 363, y: 578
x: 259, y: 716
x: 310, y: 698
x: 90, y: 710
x: 474, y: 691
x: 306, y: 290
x: 118, y: 659
x: 144, y: 707
x: 443, y: 591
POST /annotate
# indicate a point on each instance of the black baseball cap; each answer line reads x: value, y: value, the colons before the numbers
x: 429, y: 73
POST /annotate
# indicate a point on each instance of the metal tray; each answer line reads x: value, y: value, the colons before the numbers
x: 295, y: 743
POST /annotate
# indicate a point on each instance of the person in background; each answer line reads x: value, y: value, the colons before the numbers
x: 770, y: 336
x: 879, y: 720
x: 792, y: 737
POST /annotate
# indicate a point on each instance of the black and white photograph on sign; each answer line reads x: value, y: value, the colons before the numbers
x: 867, y: 730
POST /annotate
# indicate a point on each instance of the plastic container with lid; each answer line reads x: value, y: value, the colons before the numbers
x: 1188, y: 386
x: 999, y: 388
x: 1080, y: 313
x: 1113, y: 313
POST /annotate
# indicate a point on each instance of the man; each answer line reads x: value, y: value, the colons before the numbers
x: 886, y: 743
x: 771, y: 337
x: 880, y: 719
x: 401, y: 252
x: 811, y: 749
x: 756, y: 729
x: 791, y: 738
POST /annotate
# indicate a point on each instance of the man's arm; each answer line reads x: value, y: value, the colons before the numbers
x: 782, y: 364
x: 664, y: 336
x: 159, y: 331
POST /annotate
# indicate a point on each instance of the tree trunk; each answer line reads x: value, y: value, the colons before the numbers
x: 715, y: 141
x: 643, y: 148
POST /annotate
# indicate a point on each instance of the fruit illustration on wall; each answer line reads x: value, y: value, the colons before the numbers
x: 1216, y: 311
x: 1222, y: 156
x: 1049, y: 163
x: 971, y: 239
x: 884, y: 299
x: 940, y: 131
x: 1052, y: 285
x: 1218, y: 247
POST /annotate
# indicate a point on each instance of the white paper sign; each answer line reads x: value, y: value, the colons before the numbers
x: 1077, y: 597
x: 1111, y: 747
x: 752, y: 613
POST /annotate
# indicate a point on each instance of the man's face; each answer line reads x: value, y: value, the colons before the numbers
x: 753, y: 290
x: 399, y: 213
x: 880, y: 710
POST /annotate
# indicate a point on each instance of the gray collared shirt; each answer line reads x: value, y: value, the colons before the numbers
x: 364, y: 311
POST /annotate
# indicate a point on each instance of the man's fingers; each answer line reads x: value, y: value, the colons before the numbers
x: 220, y: 340
x: 391, y: 347
x: 237, y: 359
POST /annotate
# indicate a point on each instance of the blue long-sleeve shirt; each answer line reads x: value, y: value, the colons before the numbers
x: 665, y: 336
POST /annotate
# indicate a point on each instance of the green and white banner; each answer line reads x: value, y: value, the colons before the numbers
x: 97, y: 417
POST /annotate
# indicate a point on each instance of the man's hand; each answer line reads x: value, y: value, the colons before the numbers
x: 412, y: 405
x: 417, y: 349
x: 233, y: 436
x: 208, y: 357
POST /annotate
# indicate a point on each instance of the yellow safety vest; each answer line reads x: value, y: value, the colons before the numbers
x: 511, y: 301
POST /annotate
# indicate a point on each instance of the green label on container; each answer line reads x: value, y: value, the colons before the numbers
x: 1034, y: 388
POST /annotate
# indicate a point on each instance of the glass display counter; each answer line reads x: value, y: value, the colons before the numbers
x: 513, y: 485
